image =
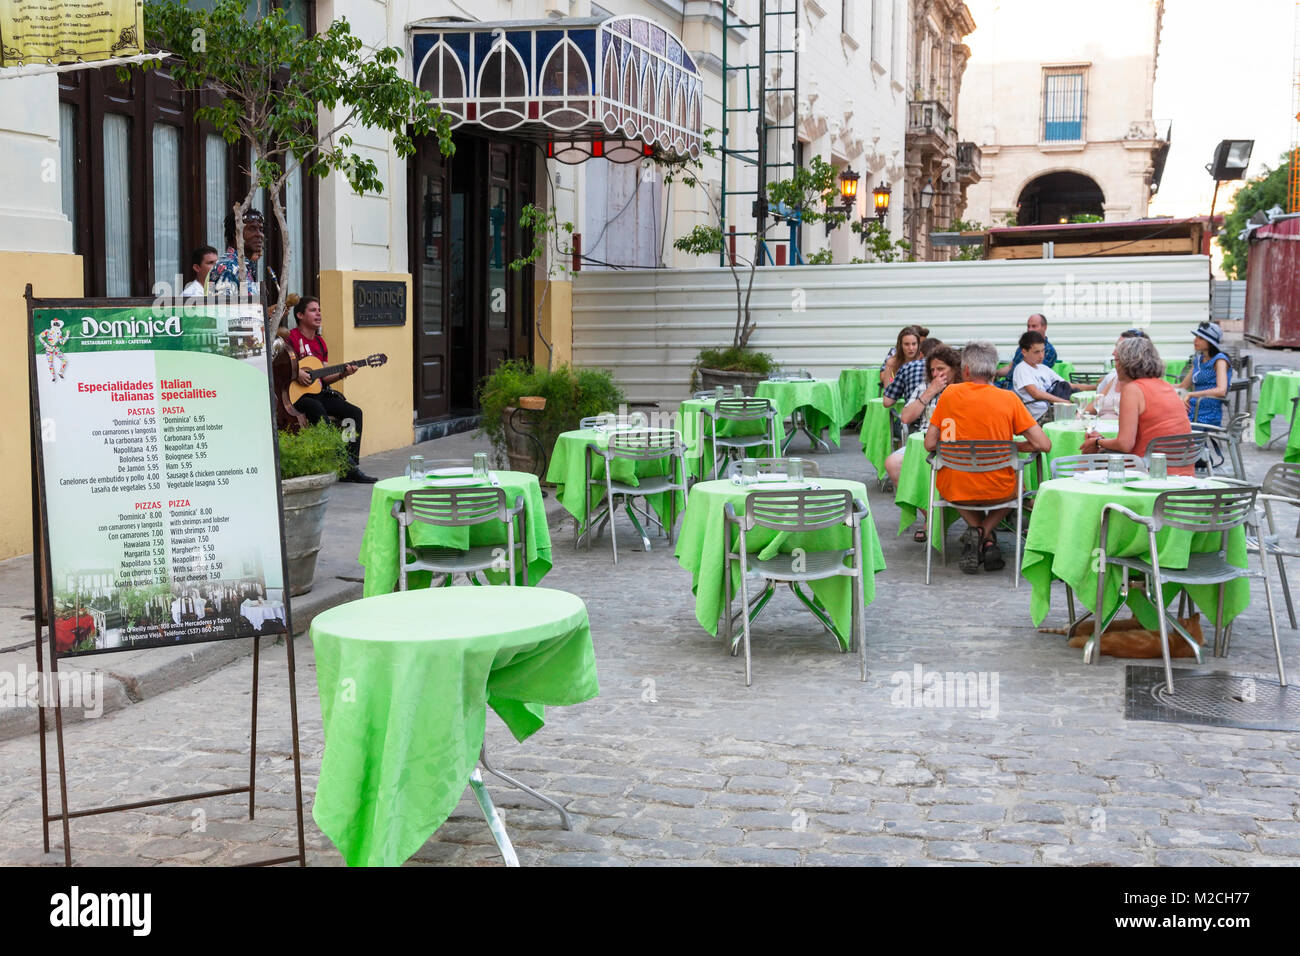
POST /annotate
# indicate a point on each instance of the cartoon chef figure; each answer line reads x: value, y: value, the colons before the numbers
x: 53, y: 339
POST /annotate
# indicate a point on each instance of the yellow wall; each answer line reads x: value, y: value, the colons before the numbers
x: 386, y: 394
x: 556, y: 322
x: 52, y: 277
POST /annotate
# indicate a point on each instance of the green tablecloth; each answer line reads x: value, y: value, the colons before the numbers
x: 818, y: 397
x: 378, y: 553
x: 913, y: 492
x: 1175, y: 369
x: 694, y: 421
x: 703, y: 537
x: 1063, y: 544
x: 567, y: 472
x: 857, y: 387
x: 1275, y: 395
x: 404, y: 682
x: 1067, y: 439
x: 876, y: 437
x: 1064, y: 369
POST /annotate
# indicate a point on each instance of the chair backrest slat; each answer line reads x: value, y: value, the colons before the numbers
x: 1283, y: 479
x: 1068, y: 465
x: 1181, y: 451
x: 741, y: 409
x: 455, y: 507
x: 976, y: 456
x: 798, y: 511
x: 1204, y: 510
x: 644, y: 444
x: 780, y: 466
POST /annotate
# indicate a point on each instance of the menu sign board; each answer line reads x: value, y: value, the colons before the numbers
x: 159, y: 477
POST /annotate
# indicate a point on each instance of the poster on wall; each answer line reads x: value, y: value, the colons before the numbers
x: 159, y: 476
x: 64, y: 31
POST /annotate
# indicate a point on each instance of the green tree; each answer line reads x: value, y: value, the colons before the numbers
x: 967, y: 253
x: 272, y: 81
x: 1261, y: 193
x: 881, y: 246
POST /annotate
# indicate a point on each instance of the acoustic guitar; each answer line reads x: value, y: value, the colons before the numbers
x: 319, y: 371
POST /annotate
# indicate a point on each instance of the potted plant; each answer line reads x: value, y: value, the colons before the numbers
x: 810, y: 195
x: 555, y: 400
x: 310, y: 461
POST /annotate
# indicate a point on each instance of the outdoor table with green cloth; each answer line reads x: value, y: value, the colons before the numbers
x: 693, y: 416
x: 405, y: 681
x: 567, y: 472
x: 819, y: 398
x: 379, y: 542
x: 857, y: 387
x: 1175, y: 369
x: 1063, y: 544
x: 704, y: 536
x: 876, y: 435
x: 1276, y: 393
x: 913, y: 493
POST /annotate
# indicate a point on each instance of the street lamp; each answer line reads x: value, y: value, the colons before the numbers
x: 848, y: 188
x: 927, y: 195
x: 1231, y: 157
x: 880, y: 199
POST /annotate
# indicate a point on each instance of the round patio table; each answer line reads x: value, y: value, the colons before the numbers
x: 817, y: 399
x: 567, y: 472
x: 1064, y: 544
x: 704, y: 537
x: 1276, y: 394
x: 405, y: 681
x: 913, y: 492
x: 379, y: 556
x: 876, y: 435
x: 693, y: 417
x: 857, y: 387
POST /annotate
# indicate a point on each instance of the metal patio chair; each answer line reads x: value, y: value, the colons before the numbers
x: 741, y: 410
x: 1087, y: 378
x: 1281, y: 486
x: 637, y: 445
x: 1219, y: 510
x: 458, y: 508
x: 974, y: 457
x: 794, y: 512
x: 780, y: 466
x: 1180, y: 451
x: 1068, y: 465
x: 1223, y: 444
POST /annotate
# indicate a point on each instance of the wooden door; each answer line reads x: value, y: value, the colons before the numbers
x: 429, y: 279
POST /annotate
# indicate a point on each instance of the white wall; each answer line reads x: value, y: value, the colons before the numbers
x: 31, y: 204
x: 648, y: 326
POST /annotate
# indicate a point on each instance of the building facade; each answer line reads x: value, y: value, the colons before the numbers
x: 1062, y: 116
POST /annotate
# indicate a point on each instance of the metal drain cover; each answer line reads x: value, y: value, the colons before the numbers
x: 1216, y: 699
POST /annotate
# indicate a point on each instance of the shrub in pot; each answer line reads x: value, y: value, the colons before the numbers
x: 566, y: 396
x: 729, y: 367
x: 310, y: 461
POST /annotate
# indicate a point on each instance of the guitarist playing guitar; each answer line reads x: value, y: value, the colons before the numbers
x: 306, y: 341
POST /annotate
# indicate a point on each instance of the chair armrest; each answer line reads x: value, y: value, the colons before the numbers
x: 396, y: 510
x: 729, y: 512
x: 1128, y: 513
x: 517, y: 507
x: 860, y: 510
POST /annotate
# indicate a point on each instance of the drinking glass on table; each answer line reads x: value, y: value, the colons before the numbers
x: 415, y: 467
x: 1115, y: 470
x: 1159, y: 469
x: 748, y: 471
x: 719, y: 392
x: 481, y: 466
x: 794, y: 469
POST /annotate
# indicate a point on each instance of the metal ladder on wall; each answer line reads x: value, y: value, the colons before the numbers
x: 778, y: 58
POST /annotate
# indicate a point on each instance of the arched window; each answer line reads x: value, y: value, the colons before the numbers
x: 610, y: 91
x: 502, y: 86
x: 630, y: 99
x: 441, y: 75
x: 566, y: 87
x: 645, y: 124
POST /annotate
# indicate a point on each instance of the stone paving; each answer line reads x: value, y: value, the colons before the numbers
x: 677, y: 762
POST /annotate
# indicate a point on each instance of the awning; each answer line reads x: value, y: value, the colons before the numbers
x: 621, y: 88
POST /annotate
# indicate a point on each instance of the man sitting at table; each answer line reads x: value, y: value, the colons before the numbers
x: 1035, y: 323
x: 975, y: 410
x: 1035, y: 382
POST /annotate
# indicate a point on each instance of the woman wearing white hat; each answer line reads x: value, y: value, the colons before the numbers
x: 1210, y: 374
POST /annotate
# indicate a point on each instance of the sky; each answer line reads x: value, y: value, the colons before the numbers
x: 1225, y: 71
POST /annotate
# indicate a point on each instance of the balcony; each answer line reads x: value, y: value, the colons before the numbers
x: 929, y: 126
x: 968, y: 163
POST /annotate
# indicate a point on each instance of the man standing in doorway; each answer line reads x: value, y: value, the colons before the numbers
x: 224, y: 278
x: 201, y: 263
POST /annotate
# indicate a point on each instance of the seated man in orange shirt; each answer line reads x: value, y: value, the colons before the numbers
x: 976, y: 410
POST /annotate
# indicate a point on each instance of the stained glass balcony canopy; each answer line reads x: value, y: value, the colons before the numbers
x: 621, y: 87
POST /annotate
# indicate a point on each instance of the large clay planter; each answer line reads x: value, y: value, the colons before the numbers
x: 304, y: 519
x: 523, y: 447
x: 711, y: 378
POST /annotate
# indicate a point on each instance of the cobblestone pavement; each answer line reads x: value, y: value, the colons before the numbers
x: 678, y: 762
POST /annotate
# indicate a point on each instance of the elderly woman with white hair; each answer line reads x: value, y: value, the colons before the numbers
x: 977, y: 410
x: 1149, y: 407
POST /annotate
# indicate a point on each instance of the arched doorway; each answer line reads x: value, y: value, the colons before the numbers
x: 1056, y: 197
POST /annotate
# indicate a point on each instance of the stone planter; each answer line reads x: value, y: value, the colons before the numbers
x: 711, y: 378
x: 523, y: 447
x: 304, y: 519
